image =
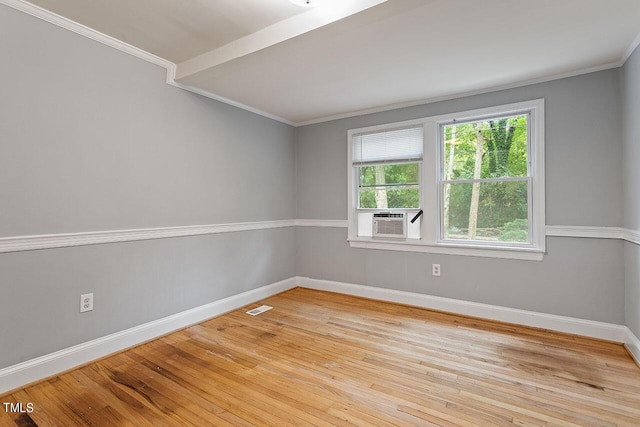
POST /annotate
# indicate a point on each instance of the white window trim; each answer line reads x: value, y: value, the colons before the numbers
x: 352, y: 179
x: 431, y: 241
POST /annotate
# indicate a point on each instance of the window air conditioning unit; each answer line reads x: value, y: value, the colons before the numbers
x: 390, y: 225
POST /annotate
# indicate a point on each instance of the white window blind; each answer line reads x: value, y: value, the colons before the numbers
x: 399, y: 145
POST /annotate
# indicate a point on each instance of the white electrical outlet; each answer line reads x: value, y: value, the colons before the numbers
x: 435, y: 269
x: 86, y: 302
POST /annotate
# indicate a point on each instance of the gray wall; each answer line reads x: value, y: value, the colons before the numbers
x: 631, y: 168
x: 133, y: 283
x: 632, y: 287
x: 94, y: 139
x: 579, y: 277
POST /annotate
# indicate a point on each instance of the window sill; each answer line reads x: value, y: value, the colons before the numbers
x: 527, y: 254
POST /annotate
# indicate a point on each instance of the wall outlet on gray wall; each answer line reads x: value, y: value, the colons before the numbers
x: 435, y: 269
x: 86, y: 302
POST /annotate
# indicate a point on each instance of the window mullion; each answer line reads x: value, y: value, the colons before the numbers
x: 430, y: 183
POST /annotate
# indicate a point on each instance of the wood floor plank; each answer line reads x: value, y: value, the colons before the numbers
x: 409, y: 379
x: 324, y: 359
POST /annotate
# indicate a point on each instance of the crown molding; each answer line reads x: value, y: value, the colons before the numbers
x: 67, y: 24
x: 432, y: 100
x: 171, y: 68
x: 85, y: 31
x: 632, y: 47
x: 201, y: 92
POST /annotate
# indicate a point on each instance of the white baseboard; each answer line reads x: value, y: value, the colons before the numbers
x: 587, y: 328
x: 51, y: 364
x: 633, y: 345
x: 48, y: 365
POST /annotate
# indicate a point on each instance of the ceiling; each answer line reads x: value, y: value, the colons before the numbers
x: 349, y: 56
x: 175, y: 30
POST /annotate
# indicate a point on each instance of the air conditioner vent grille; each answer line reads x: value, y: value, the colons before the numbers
x: 389, y: 225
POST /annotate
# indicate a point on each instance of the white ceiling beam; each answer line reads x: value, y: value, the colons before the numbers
x: 328, y: 12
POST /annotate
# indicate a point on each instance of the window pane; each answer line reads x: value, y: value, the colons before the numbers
x: 486, y: 149
x: 402, y: 174
x: 389, y: 186
x: 390, y: 197
x: 498, y: 209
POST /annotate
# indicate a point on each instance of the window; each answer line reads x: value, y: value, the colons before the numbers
x: 478, y: 177
x: 387, y: 167
x: 485, y: 180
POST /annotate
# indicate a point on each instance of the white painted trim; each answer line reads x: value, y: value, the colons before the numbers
x: 51, y: 364
x: 424, y: 101
x: 590, y: 232
x: 571, y: 325
x: 49, y: 241
x: 112, y: 42
x: 446, y: 249
x: 632, y: 47
x: 431, y: 182
x: 632, y: 236
x: 632, y: 343
x: 326, y: 13
x: 171, y: 75
x: 82, y: 30
x: 171, y: 68
x: 335, y: 223
x: 224, y: 100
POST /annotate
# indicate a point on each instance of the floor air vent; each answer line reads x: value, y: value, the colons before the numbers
x: 259, y: 310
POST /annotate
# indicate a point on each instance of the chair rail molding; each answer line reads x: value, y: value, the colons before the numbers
x: 52, y: 241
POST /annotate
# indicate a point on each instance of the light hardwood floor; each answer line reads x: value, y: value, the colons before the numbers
x: 326, y: 359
